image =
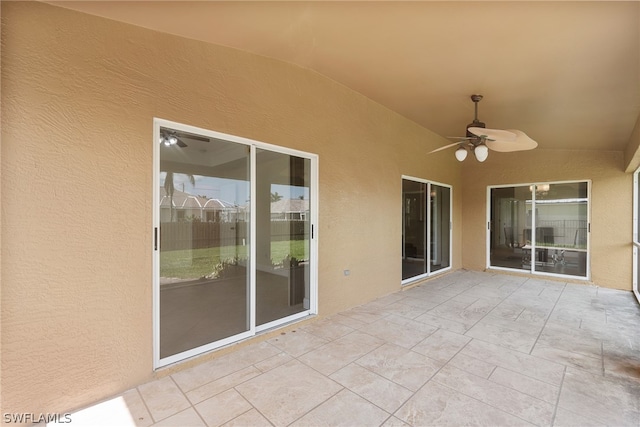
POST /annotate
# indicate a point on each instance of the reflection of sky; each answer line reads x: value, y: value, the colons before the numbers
x: 229, y: 190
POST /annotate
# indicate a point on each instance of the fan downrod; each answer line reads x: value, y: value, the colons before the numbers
x: 476, y: 123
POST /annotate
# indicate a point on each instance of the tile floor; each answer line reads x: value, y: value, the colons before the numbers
x: 467, y: 348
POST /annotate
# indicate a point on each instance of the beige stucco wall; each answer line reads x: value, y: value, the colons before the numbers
x: 78, y: 97
x: 611, y: 204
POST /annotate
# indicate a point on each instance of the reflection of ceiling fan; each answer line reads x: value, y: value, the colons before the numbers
x: 479, y: 139
x: 169, y: 137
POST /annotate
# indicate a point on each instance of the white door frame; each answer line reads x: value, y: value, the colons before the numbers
x: 313, y: 241
x: 533, y: 227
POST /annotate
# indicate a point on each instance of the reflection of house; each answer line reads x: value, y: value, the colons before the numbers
x: 287, y: 209
x: 189, y: 207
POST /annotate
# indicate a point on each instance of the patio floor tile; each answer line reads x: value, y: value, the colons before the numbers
x: 187, y: 418
x: 339, y: 353
x: 163, y: 398
x: 376, y: 389
x: 396, y: 333
x: 405, y: 367
x: 534, y: 367
x: 341, y: 410
x: 287, y: 392
x: 465, y: 348
x: 442, y: 345
x: 222, y: 407
x: 438, y: 405
x: 251, y: 418
x: 527, y: 385
x: 519, y: 341
x: 297, y: 343
x: 504, y: 398
x: 223, y: 384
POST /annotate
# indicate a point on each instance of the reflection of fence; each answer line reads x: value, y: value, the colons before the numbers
x: 569, y: 232
x: 198, y: 235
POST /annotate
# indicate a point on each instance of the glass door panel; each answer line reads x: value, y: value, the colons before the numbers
x: 414, y: 231
x: 559, y: 215
x: 561, y: 228
x: 283, y: 187
x: 510, y: 234
x: 440, y: 221
x: 204, y: 240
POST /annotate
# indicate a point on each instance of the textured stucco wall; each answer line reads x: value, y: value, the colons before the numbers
x: 78, y: 97
x: 611, y: 204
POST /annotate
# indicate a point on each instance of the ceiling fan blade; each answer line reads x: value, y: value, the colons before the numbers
x: 493, y: 134
x: 522, y: 143
x: 444, y: 148
x: 181, y: 143
x: 461, y: 138
x: 194, y: 137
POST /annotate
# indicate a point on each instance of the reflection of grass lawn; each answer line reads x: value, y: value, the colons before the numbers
x: 195, y: 263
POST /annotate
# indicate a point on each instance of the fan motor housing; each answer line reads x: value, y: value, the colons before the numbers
x: 476, y: 124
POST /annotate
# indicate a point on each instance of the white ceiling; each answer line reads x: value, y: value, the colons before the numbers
x: 566, y: 73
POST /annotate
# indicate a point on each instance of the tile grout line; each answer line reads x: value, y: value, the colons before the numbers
x: 426, y: 382
x: 319, y: 404
x: 144, y: 402
x: 555, y: 410
x: 486, y: 314
x: 484, y: 403
x: 250, y: 404
x: 602, y: 356
x: 547, y: 319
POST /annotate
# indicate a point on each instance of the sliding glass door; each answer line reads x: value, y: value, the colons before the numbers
x: 283, y: 235
x: 426, y: 228
x: 203, y: 241
x: 559, y: 214
x: 233, y: 239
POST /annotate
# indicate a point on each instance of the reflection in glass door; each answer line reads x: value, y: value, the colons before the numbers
x: 561, y: 223
x: 204, y: 240
x: 510, y: 221
x: 234, y: 240
x: 414, y: 229
x: 282, y: 211
x: 440, y: 224
x: 426, y: 228
x: 558, y: 212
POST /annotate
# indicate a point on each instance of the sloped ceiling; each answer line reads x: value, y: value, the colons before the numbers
x: 566, y: 73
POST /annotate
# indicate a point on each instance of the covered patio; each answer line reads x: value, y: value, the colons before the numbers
x: 465, y: 348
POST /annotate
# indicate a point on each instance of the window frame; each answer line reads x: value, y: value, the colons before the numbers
x: 427, y: 207
x: 532, y: 269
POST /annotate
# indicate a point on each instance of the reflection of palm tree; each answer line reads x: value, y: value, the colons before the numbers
x: 275, y: 197
x: 169, y: 188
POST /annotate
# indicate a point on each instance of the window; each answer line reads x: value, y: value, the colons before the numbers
x: 426, y: 228
x: 224, y: 267
x: 559, y: 214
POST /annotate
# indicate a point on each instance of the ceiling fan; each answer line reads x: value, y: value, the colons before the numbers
x: 479, y: 139
x: 169, y: 137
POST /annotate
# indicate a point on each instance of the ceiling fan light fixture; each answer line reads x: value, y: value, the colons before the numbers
x: 481, y: 152
x: 461, y: 154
